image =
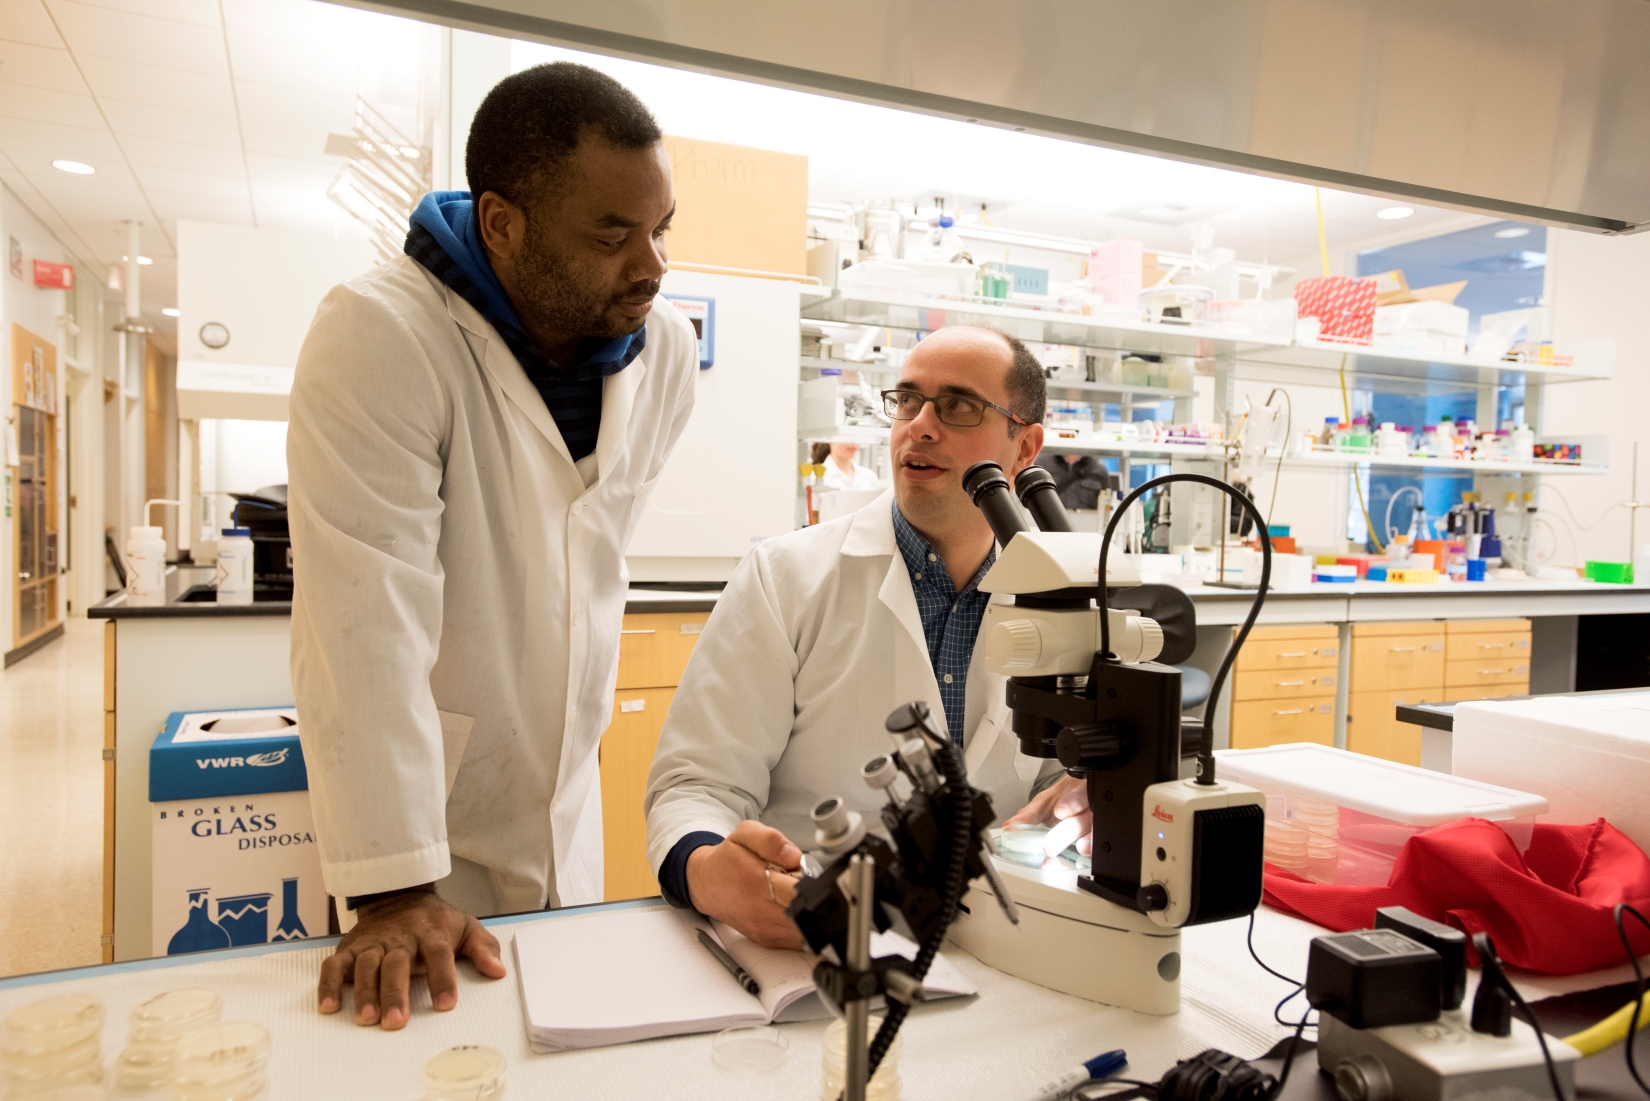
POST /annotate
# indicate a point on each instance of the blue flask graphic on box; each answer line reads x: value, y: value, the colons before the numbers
x: 245, y: 918
x: 200, y: 932
x: 292, y: 926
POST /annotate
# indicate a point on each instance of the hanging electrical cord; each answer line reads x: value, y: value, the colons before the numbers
x: 1571, y: 513
x: 1386, y: 524
x: 1288, y: 431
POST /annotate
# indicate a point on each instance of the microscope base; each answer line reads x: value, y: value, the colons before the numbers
x: 1072, y: 941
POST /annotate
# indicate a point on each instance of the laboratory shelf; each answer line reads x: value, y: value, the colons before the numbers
x: 854, y: 433
x: 1069, y: 390
x: 921, y: 312
x: 1485, y: 466
x: 1594, y: 360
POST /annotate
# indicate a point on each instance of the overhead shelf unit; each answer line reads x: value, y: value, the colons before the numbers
x: 1309, y: 360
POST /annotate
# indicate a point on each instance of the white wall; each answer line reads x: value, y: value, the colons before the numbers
x: 1598, y: 287
x: 37, y: 310
x: 238, y: 457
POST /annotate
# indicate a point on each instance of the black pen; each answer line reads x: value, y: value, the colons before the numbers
x: 751, y: 985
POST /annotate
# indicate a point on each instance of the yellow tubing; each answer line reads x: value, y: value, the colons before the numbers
x: 1610, y: 1031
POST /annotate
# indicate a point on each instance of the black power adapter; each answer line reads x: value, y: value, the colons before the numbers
x: 1374, y: 977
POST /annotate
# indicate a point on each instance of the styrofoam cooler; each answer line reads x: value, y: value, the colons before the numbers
x: 231, y: 832
x: 1588, y: 756
x: 1338, y: 817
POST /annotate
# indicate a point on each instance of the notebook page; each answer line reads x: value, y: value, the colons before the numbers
x: 783, y: 973
x: 635, y: 971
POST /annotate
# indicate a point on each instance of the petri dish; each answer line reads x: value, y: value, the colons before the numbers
x: 468, y: 1072
x: 749, y: 1052
x: 175, y: 1012
x: 51, y: 1024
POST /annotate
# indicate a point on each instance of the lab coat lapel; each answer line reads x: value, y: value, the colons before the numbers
x: 872, y: 534
x: 618, y: 400
x: 507, y: 372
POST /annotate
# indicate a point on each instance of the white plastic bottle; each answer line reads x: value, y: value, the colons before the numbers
x: 235, y: 566
x: 146, y: 568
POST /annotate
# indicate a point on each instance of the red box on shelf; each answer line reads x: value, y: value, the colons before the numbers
x: 1344, y: 307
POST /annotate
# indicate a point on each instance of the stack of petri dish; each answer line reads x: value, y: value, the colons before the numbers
x: 1322, y: 821
x: 222, y: 1062
x: 52, y: 1044
x: 1286, y: 844
x: 884, y: 1084
x: 468, y: 1072
x: 157, y: 1026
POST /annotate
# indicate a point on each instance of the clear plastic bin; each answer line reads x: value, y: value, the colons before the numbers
x: 1339, y: 817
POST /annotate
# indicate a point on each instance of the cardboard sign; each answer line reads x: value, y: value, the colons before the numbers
x: 54, y: 276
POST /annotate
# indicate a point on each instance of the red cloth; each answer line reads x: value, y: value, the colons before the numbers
x: 1548, y: 910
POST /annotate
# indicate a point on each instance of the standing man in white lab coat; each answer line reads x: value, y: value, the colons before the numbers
x: 823, y: 632
x: 475, y: 426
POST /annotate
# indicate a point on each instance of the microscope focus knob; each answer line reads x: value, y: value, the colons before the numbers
x: 1090, y: 745
x: 1152, y: 897
x: 1151, y: 639
x: 1015, y: 644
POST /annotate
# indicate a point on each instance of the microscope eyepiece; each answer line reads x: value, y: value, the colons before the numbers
x: 989, y: 490
x: 1041, y: 498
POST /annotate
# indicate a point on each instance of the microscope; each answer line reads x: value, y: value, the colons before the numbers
x: 1087, y: 688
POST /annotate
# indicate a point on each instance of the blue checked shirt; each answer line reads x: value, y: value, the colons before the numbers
x: 950, y: 620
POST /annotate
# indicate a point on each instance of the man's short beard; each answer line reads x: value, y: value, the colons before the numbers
x: 565, y: 299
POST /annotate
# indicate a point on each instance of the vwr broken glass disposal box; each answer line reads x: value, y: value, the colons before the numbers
x: 232, y: 836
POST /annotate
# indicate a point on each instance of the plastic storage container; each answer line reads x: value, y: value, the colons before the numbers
x: 1339, y: 817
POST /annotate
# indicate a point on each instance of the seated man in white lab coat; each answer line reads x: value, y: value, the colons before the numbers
x: 822, y: 632
x: 475, y: 428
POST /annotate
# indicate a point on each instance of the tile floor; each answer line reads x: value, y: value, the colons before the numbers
x: 51, y: 804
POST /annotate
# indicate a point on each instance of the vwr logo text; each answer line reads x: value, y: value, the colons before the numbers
x: 256, y: 760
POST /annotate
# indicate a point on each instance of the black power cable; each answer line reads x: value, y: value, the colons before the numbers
x: 1621, y: 912
x: 1206, y: 754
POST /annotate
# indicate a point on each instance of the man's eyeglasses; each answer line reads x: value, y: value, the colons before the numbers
x: 956, y: 410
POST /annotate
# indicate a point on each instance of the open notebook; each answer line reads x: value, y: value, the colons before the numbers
x: 610, y: 978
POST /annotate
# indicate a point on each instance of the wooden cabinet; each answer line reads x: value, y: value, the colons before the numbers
x: 1427, y: 662
x: 1283, y: 686
x: 653, y: 651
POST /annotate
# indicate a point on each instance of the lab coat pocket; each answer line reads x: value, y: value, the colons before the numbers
x: 455, y: 735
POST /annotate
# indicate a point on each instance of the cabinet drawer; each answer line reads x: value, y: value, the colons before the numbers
x: 1462, y: 674
x: 1290, y: 653
x: 1272, y: 722
x: 626, y: 757
x: 1320, y: 632
x: 654, y: 648
x: 1281, y: 685
x: 1493, y: 647
x: 1372, y: 725
x: 1487, y: 626
x: 1392, y: 662
x: 1486, y: 692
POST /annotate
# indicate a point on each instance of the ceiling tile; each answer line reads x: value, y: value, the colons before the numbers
x: 150, y: 84
x: 27, y: 21
x: 148, y: 121
x: 291, y: 123
x: 184, y: 156
x: 193, y: 183
x: 313, y: 64
x: 39, y: 67
x: 44, y: 105
x: 200, y: 13
x: 203, y: 208
x: 315, y: 172
x: 45, y: 142
x: 104, y: 32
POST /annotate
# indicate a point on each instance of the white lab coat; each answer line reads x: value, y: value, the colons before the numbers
x: 863, y: 477
x: 815, y: 640
x: 460, y: 590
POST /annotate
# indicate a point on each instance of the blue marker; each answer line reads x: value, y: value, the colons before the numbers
x: 1101, y: 1066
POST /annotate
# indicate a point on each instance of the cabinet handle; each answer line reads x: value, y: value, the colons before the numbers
x: 1293, y: 654
x: 1290, y: 683
x: 1405, y: 649
x: 1490, y: 672
x: 1296, y: 711
x: 1492, y: 645
x: 649, y: 631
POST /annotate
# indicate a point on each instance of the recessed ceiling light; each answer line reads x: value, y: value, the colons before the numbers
x: 1393, y: 213
x: 170, y: 311
x: 1513, y: 231
x: 74, y: 167
x: 143, y: 261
